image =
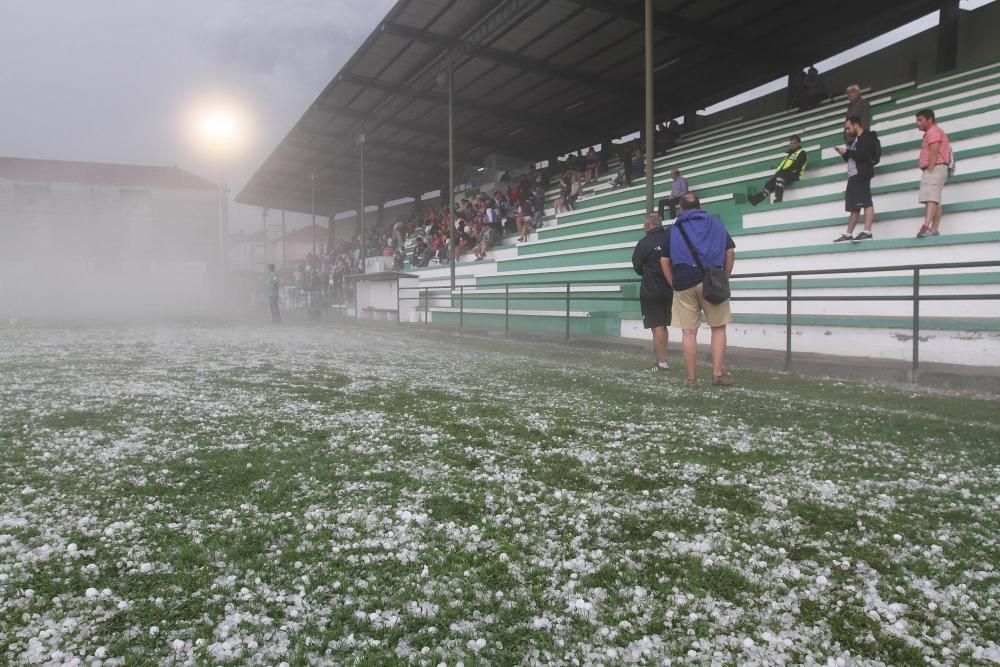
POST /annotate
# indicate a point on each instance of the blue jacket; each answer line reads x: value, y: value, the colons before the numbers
x: 708, y: 235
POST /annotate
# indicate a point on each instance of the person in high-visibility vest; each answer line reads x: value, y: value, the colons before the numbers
x: 789, y: 170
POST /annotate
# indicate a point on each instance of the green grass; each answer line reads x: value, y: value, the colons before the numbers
x: 357, y: 494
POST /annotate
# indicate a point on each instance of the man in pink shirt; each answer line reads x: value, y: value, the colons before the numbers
x: 935, y: 155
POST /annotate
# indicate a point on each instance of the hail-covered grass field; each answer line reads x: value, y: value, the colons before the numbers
x: 341, y: 494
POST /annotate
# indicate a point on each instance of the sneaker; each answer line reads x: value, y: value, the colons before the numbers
x: 923, y: 232
x: 722, y: 380
x: 843, y: 237
x: 863, y: 236
x: 757, y: 198
x: 659, y: 369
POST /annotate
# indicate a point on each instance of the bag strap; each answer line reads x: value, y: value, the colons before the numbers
x: 694, y: 253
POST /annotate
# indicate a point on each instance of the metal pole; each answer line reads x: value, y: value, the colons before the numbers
x: 788, y: 320
x: 567, y: 310
x: 427, y: 307
x: 361, y: 211
x: 506, y: 309
x: 284, y: 254
x: 312, y: 208
x: 399, y: 313
x: 451, y: 169
x: 222, y: 232
x: 916, y: 321
x: 649, y: 105
x: 461, y: 307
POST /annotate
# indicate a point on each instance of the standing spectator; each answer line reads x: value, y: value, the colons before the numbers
x: 592, y: 165
x: 789, y: 170
x: 574, y: 192
x: 858, y: 106
x: 272, y: 294
x: 638, y: 163
x: 539, y: 205
x: 678, y: 188
x: 934, y: 161
x: 812, y: 90
x: 715, y: 248
x: 655, y: 294
x: 860, y: 158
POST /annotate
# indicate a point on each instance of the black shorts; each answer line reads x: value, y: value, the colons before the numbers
x: 656, y: 312
x: 858, y: 194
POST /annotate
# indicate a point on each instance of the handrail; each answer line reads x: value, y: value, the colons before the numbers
x: 503, y: 291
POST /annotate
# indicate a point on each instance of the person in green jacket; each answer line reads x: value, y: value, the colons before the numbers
x: 272, y: 294
x: 789, y: 170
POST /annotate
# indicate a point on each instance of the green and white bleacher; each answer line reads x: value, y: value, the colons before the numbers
x: 594, y: 243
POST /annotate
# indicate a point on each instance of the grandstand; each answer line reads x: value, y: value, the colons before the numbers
x: 594, y: 243
x: 574, y: 276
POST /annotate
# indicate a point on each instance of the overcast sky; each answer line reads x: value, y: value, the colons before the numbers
x: 107, y: 80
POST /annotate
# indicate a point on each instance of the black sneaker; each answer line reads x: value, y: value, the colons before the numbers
x: 863, y: 236
x: 843, y: 237
x: 757, y: 198
x: 659, y: 369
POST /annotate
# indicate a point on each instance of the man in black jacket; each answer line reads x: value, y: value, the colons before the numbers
x: 860, y: 158
x: 656, y: 297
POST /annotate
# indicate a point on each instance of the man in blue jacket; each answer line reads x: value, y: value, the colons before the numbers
x: 715, y: 248
x: 655, y: 294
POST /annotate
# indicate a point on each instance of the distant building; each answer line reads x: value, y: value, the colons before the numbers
x: 299, y: 243
x: 112, y: 229
x: 250, y: 253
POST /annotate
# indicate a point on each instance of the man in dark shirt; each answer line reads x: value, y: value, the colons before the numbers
x: 655, y: 294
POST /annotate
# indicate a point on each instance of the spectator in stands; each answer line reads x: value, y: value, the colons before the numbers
x: 420, y: 253
x: 934, y: 161
x: 538, y: 204
x: 858, y: 106
x: 593, y: 165
x: 860, y: 158
x: 789, y: 170
x: 484, y: 244
x: 623, y: 178
x: 655, y: 294
x: 812, y: 90
x: 272, y: 294
x: 638, y: 163
x: 715, y: 248
x: 678, y: 188
x: 574, y: 192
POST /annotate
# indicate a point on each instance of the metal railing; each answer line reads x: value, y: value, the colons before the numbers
x: 424, y: 295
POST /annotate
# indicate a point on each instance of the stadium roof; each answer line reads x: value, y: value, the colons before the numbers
x: 535, y: 79
x: 28, y: 170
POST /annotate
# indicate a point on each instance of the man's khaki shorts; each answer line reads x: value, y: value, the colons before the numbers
x: 690, y: 303
x: 932, y: 183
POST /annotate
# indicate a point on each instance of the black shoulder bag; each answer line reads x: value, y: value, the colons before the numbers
x: 714, y: 280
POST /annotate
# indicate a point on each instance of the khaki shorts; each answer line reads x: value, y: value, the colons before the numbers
x: 932, y: 183
x: 690, y: 303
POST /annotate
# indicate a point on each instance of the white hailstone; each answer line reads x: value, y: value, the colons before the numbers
x: 3, y: 577
x: 91, y: 593
x: 106, y: 592
x: 748, y: 643
x: 298, y: 565
x: 123, y: 604
x: 558, y: 494
x: 101, y: 653
x: 406, y: 515
x: 153, y: 631
x: 872, y: 614
x: 821, y: 580
x: 29, y: 593
x: 71, y: 548
x: 146, y: 567
x: 249, y: 465
x: 499, y: 594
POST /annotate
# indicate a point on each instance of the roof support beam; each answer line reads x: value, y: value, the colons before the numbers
x: 517, y: 60
x: 672, y: 23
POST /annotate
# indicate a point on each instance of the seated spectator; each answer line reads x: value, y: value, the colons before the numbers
x: 789, y: 170
x: 421, y: 253
x: 638, y: 163
x: 624, y: 176
x: 812, y: 91
x: 484, y: 244
x: 678, y: 188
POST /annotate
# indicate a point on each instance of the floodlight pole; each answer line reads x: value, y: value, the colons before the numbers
x: 312, y: 208
x: 361, y: 209
x: 648, y: 23
x: 452, y: 219
x: 222, y: 231
x: 284, y: 243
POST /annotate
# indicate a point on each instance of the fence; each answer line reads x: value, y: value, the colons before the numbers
x: 424, y: 295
